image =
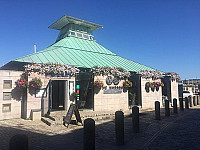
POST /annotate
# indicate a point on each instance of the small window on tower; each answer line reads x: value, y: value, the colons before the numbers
x: 85, y: 36
x: 72, y: 33
x: 79, y: 35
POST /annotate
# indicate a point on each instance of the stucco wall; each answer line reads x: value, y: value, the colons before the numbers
x: 149, y: 98
x: 110, y: 102
x: 32, y: 101
x: 16, y: 95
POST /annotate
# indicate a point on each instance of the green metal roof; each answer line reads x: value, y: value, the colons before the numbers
x: 82, y: 53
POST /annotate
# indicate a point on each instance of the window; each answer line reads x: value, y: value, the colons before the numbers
x: 79, y: 35
x: 72, y: 33
x: 6, y: 95
x: 86, y: 36
x: 7, y: 84
x: 6, y: 108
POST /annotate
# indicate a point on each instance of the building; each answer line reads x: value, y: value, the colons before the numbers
x: 75, y: 46
x: 191, y: 85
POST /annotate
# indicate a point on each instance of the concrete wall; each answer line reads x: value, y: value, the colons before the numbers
x: 33, y: 102
x: 149, y: 98
x: 110, y: 102
x: 16, y: 95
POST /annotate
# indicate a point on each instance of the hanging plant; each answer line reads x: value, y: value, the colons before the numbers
x: 127, y: 84
x: 154, y: 75
x: 147, y: 84
x: 35, y: 83
x: 114, y: 71
x: 152, y: 85
x: 50, y: 68
x: 21, y: 83
x: 174, y: 76
x: 98, y: 83
x: 162, y: 84
x: 74, y: 94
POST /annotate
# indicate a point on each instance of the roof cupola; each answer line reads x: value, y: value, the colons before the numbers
x: 70, y: 26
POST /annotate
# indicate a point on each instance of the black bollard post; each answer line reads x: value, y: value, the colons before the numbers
x: 18, y: 142
x: 119, y: 127
x: 175, y: 106
x: 186, y: 103
x: 167, y: 110
x: 190, y: 101
x: 89, y: 134
x: 135, y: 119
x: 181, y: 103
x: 195, y: 100
x: 157, y: 110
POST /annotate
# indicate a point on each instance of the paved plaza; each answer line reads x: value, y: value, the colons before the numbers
x: 179, y: 131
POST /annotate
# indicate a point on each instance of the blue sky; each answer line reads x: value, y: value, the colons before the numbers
x: 163, y: 34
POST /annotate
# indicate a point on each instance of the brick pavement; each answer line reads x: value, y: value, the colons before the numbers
x: 44, y: 137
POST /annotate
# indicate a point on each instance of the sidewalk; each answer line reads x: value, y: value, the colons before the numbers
x: 44, y: 137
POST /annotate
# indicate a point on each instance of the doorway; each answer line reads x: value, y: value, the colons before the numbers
x: 58, y: 94
x: 86, y: 96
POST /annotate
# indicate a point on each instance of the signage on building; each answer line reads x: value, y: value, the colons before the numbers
x: 40, y: 93
x: 110, y: 80
x: 112, y: 91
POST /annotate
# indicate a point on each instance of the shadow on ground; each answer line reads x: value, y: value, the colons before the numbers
x: 105, y: 134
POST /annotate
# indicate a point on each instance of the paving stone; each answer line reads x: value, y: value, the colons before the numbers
x: 154, y: 134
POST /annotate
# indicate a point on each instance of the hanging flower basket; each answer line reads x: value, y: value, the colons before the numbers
x: 114, y: 71
x: 127, y: 84
x: 35, y: 83
x: 21, y: 83
x: 98, y: 84
x: 152, y: 85
x: 147, y: 85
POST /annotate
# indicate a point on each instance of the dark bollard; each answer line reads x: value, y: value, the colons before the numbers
x: 197, y: 99
x: 167, y: 110
x: 186, y: 103
x: 190, y: 101
x: 135, y: 119
x: 18, y: 142
x: 157, y: 110
x: 89, y: 134
x: 119, y: 127
x: 181, y: 104
x: 175, y: 106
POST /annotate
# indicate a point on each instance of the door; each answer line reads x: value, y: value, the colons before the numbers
x: 58, y: 94
x: 84, y: 82
x: 134, y: 92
